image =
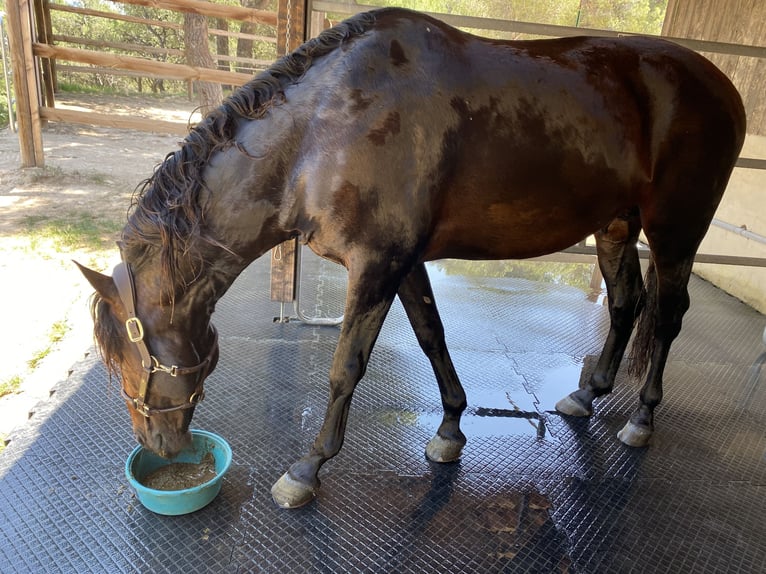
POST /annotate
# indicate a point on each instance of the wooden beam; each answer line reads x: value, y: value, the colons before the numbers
x: 164, y: 69
x: 44, y: 33
x: 209, y: 9
x: 158, y: 23
x: 140, y: 48
x: 113, y: 121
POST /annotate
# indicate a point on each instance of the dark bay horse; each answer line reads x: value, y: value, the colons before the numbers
x: 393, y: 139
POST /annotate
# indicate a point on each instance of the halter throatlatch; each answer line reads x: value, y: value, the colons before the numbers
x: 123, y: 279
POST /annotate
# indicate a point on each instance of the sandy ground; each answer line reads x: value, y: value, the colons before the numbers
x: 89, y: 170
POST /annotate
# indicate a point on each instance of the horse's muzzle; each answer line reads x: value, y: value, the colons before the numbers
x: 164, y: 444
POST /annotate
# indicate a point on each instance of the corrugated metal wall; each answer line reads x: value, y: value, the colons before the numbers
x: 735, y: 21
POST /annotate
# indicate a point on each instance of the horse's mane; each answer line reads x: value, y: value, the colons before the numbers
x: 166, y: 211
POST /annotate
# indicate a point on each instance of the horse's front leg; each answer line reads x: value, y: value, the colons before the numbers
x: 418, y: 299
x: 368, y: 300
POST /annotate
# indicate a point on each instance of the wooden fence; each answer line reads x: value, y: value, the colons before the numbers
x: 36, y: 52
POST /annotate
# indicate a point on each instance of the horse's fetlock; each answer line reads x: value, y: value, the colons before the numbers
x: 305, y: 474
x: 450, y: 430
x: 599, y: 385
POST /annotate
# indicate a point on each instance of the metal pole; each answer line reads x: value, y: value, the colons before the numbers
x: 743, y: 231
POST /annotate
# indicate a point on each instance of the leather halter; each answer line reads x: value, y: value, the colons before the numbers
x: 123, y: 279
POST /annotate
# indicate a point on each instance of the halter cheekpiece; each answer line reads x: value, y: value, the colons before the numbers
x: 123, y: 279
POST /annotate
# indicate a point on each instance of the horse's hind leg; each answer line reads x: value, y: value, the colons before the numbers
x: 619, y: 264
x: 418, y: 299
x: 667, y: 300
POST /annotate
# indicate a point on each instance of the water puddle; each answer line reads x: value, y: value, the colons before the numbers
x: 583, y: 276
x: 488, y: 423
x: 556, y: 383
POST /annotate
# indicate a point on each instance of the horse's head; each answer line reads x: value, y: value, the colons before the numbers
x: 161, y: 359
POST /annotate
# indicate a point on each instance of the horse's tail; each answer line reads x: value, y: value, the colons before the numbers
x: 641, y: 351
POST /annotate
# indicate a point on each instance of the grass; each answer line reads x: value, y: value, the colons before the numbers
x: 172, y: 89
x: 57, y: 332
x: 55, y: 237
x: 78, y: 231
x: 11, y: 385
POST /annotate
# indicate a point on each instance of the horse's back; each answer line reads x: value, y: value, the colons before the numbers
x: 487, y: 143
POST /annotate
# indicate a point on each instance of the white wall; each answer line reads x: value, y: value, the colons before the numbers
x: 744, y: 204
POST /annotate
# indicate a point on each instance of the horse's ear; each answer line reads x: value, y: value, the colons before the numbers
x: 103, y: 284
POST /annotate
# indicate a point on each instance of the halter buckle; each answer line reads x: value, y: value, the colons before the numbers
x: 135, y: 329
x: 142, y: 408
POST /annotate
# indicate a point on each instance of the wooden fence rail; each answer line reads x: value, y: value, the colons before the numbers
x: 209, y: 9
x: 117, y: 45
x: 166, y: 69
x: 158, y: 23
x: 113, y: 121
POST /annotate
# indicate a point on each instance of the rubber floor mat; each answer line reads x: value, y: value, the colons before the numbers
x: 534, y: 492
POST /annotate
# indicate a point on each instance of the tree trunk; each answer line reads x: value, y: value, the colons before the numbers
x: 245, y: 45
x: 222, y: 43
x: 198, y: 54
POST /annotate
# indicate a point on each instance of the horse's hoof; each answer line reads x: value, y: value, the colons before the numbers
x: 573, y: 407
x: 443, y: 450
x: 290, y: 493
x: 634, y: 435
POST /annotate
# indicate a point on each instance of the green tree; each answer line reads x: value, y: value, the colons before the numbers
x: 644, y: 16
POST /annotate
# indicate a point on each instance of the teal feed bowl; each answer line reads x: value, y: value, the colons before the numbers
x: 143, y: 462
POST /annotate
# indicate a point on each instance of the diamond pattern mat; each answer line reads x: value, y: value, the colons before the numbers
x: 533, y: 493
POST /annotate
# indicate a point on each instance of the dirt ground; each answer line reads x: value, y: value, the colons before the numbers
x: 90, y: 174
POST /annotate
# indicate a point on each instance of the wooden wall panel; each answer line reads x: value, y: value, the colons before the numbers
x: 736, y: 21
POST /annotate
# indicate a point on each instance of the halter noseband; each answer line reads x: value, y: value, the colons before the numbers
x: 123, y: 279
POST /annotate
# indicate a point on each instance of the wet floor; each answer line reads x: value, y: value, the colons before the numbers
x: 533, y: 492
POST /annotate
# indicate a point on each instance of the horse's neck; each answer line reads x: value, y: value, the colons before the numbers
x: 249, y: 207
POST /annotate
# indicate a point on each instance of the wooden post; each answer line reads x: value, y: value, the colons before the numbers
x: 291, y: 25
x: 291, y: 33
x: 20, y: 19
x: 319, y: 22
x: 45, y: 36
x: 284, y: 271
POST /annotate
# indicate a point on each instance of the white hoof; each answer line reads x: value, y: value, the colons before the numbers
x: 442, y: 450
x: 289, y: 493
x: 634, y: 435
x: 571, y: 407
